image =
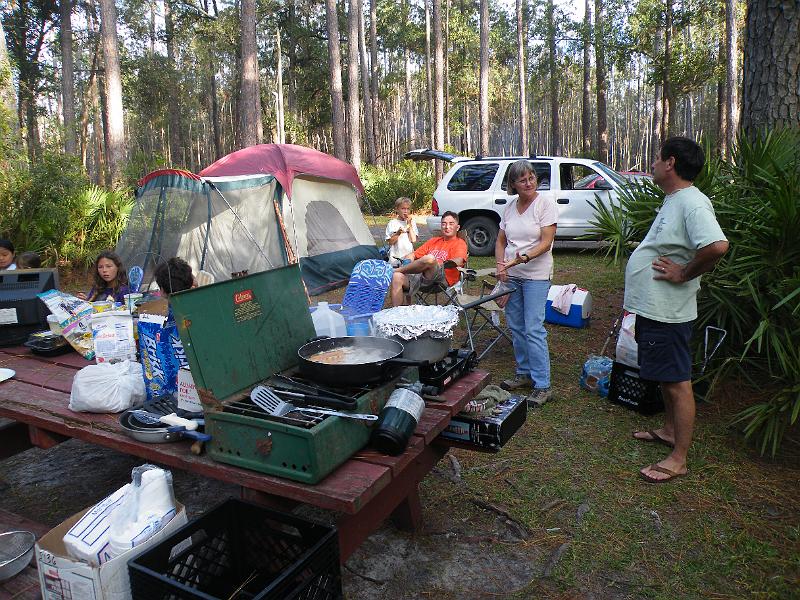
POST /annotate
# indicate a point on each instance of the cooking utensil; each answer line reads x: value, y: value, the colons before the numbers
x: 302, y: 399
x: 148, y: 418
x: 16, y: 550
x: 157, y: 435
x: 265, y: 398
x: 324, y: 396
x: 385, y: 361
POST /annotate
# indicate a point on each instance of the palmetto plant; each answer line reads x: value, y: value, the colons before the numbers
x: 754, y: 292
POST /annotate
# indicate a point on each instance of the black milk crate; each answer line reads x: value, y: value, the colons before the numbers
x: 244, y: 551
x: 631, y: 391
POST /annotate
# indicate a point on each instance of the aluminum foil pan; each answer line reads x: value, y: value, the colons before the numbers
x: 411, y: 322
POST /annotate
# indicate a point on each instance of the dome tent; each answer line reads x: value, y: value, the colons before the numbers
x: 259, y: 208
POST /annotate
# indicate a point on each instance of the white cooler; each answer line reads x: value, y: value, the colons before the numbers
x: 579, y: 311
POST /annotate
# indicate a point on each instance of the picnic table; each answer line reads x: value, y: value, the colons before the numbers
x: 364, y: 491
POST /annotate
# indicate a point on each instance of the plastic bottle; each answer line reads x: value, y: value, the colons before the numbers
x: 328, y: 322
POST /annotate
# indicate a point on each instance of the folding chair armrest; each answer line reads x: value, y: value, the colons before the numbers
x: 485, y: 299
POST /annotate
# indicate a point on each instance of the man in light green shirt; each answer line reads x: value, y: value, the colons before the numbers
x: 661, y: 283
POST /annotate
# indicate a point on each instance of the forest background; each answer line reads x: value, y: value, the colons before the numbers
x: 94, y: 94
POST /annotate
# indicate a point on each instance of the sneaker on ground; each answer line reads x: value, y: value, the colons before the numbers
x: 520, y: 381
x: 540, y: 396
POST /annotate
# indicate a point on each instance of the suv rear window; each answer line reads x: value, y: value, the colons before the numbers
x: 473, y: 178
x: 542, y: 171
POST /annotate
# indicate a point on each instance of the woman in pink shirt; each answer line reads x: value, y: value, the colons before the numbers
x: 524, y: 255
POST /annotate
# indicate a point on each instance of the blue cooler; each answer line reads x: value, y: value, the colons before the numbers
x: 579, y: 311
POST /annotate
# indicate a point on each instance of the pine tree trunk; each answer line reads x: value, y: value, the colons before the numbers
x: 250, y: 89
x: 667, y: 117
x: 524, y: 146
x: 555, y: 125
x: 483, y: 86
x: 115, y: 153
x: 353, y: 100
x: 373, y: 65
x: 176, y: 141
x: 428, y: 77
x: 586, y: 108
x: 369, y: 127
x: 658, y: 99
x: 602, y: 83
x: 281, y: 127
x: 335, y: 80
x: 408, y: 102
x: 67, y: 78
x: 731, y: 75
x: 438, y: 76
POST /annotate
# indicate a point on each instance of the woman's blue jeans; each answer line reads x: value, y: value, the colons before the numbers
x: 525, y: 317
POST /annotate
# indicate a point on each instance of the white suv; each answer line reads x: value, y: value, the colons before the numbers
x: 475, y: 189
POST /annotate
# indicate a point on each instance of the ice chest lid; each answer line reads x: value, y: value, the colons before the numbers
x: 238, y: 332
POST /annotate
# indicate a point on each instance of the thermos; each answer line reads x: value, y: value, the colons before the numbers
x: 397, y: 421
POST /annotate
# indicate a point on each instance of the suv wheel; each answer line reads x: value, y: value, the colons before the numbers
x: 481, y: 236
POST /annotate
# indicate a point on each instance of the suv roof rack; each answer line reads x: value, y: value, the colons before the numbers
x: 532, y: 156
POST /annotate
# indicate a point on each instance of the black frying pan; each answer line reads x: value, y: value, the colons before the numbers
x: 382, y: 361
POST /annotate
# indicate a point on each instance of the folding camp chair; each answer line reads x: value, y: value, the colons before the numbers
x: 365, y: 294
x: 482, y: 313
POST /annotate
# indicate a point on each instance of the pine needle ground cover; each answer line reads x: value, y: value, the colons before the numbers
x: 565, y: 489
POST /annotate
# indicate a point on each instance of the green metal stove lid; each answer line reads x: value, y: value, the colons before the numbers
x: 238, y: 332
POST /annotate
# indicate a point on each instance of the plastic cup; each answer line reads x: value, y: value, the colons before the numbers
x: 55, y: 326
x: 131, y: 300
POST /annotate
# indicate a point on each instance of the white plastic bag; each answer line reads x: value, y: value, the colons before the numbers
x: 107, y: 387
x: 627, y: 349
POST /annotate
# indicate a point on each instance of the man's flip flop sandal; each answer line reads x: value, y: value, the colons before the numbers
x: 654, y: 467
x: 654, y: 437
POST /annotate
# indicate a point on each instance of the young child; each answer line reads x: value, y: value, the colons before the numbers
x: 401, y: 233
x: 29, y: 260
x: 109, y: 278
x: 175, y: 275
x: 7, y: 256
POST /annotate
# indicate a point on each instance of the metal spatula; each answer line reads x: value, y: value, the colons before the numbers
x: 266, y: 399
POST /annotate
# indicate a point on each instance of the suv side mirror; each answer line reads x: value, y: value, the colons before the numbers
x: 602, y: 184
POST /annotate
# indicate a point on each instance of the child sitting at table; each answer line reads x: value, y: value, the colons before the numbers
x: 175, y: 275
x: 109, y: 278
x: 29, y: 260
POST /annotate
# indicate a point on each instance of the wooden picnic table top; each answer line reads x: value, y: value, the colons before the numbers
x: 38, y: 395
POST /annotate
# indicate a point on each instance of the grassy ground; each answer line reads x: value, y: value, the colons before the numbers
x: 731, y: 528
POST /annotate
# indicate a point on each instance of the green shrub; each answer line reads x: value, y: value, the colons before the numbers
x: 38, y: 203
x: 384, y: 185
x: 754, y: 292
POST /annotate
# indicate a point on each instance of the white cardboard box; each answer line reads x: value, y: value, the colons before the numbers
x: 61, y: 577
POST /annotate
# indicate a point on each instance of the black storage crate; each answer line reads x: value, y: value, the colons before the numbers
x: 631, y: 391
x: 243, y: 551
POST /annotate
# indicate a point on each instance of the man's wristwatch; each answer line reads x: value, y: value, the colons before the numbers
x: 525, y: 257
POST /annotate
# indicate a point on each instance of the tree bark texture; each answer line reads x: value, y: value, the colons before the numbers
x: 115, y: 150
x: 438, y: 76
x: 483, y: 86
x: 67, y: 78
x: 250, y: 93
x: 369, y: 127
x: 658, y: 98
x: 731, y: 76
x: 373, y: 66
x: 176, y: 141
x: 602, y: 82
x: 279, y: 120
x: 353, y: 101
x: 667, y: 117
x: 586, y: 134
x: 555, y: 125
x: 428, y: 76
x: 524, y: 146
x: 771, y: 88
x: 335, y: 77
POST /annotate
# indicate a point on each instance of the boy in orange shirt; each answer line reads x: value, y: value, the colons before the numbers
x: 428, y: 267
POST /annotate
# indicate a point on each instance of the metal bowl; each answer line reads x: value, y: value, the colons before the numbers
x: 16, y: 551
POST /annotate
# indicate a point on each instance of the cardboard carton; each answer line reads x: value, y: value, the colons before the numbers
x: 62, y: 577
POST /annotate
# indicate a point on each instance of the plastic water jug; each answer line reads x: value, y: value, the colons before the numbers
x: 328, y: 322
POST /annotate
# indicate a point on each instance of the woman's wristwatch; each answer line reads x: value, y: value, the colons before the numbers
x: 525, y: 257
